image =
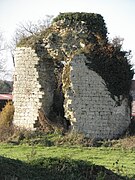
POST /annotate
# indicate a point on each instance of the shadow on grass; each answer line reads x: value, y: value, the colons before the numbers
x: 53, y: 169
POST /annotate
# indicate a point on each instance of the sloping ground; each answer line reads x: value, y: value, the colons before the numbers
x: 53, y: 169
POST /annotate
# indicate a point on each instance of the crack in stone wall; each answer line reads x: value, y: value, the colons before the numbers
x: 87, y: 103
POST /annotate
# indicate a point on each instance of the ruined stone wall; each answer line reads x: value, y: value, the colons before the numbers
x: 33, y: 87
x: 89, y: 106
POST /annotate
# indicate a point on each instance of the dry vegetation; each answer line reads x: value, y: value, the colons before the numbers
x: 6, y: 117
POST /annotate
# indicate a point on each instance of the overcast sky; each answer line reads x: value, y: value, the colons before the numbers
x: 119, y: 15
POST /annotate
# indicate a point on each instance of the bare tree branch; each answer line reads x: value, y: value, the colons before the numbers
x: 2, y: 57
x: 30, y: 28
x: 27, y: 29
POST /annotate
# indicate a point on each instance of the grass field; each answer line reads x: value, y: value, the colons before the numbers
x: 119, y: 160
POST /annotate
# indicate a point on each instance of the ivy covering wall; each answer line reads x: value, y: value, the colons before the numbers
x: 79, y: 78
x: 109, y: 61
x: 113, y: 65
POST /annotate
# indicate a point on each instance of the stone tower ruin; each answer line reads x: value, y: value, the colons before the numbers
x: 52, y: 79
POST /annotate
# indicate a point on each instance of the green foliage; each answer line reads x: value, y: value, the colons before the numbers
x: 94, y: 22
x: 37, y: 138
x: 113, y: 65
x: 54, y: 169
x: 107, y: 59
x: 52, y: 159
x: 51, y: 139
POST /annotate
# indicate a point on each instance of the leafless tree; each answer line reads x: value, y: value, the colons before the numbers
x: 2, y: 58
x: 27, y: 29
x: 4, y: 72
x: 117, y: 42
x: 32, y: 28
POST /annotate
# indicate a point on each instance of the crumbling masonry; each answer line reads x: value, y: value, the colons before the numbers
x: 52, y: 77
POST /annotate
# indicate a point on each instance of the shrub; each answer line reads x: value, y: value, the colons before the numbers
x: 6, y: 133
x: 6, y: 117
x: 54, y: 169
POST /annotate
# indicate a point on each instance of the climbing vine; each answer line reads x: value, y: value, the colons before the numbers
x: 105, y: 58
x: 113, y: 65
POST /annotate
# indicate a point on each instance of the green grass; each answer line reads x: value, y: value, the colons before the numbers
x: 54, y: 169
x: 119, y: 160
x: 70, y: 157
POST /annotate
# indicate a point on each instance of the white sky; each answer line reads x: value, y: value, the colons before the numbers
x: 119, y: 15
